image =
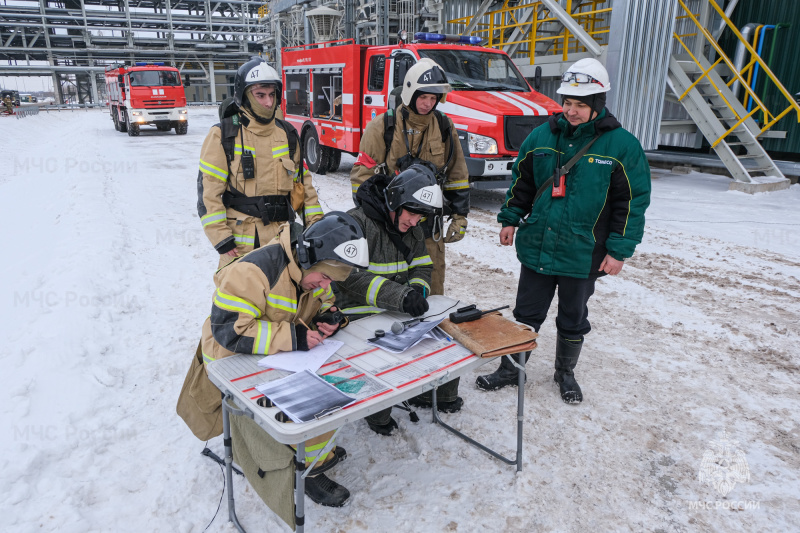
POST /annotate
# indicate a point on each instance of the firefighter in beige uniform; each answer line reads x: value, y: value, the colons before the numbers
x: 417, y: 136
x: 243, y: 202
x: 261, y: 306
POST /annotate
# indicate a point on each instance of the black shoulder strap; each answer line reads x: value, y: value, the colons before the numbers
x: 291, y: 134
x: 230, y: 127
x: 565, y: 169
x: 388, y: 131
x: 444, y: 124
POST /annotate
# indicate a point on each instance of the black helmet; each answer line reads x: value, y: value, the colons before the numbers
x: 335, y: 237
x: 255, y: 72
x: 415, y: 189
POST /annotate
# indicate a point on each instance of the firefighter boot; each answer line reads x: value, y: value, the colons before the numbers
x: 506, y: 374
x: 567, y: 352
x: 325, y: 491
x: 382, y: 422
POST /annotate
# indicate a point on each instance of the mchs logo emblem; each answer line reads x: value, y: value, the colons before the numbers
x: 350, y: 250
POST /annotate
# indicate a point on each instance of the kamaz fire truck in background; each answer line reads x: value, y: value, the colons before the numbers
x: 333, y: 89
x: 146, y: 93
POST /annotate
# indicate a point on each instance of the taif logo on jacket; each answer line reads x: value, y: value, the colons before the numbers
x: 600, y: 161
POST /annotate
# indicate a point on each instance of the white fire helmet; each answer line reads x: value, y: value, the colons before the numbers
x: 584, y: 78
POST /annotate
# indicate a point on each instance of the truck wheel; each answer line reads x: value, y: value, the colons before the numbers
x: 133, y: 129
x: 182, y: 128
x: 123, y: 122
x: 114, y: 119
x: 316, y: 157
x: 334, y: 158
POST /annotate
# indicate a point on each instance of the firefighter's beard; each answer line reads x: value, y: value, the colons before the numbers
x: 262, y: 114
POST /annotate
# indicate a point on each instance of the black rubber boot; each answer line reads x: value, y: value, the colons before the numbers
x: 443, y: 407
x: 325, y: 491
x: 506, y: 374
x: 338, y: 455
x: 567, y: 352
x: 383, y: 429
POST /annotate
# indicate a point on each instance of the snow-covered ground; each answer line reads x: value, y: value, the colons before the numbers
x: 108, y: 278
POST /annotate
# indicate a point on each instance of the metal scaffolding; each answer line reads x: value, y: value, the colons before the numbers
x: 73, y: 40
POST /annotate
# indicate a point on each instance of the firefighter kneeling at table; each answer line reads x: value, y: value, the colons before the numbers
x: 252, y: 178
x: 399, y: 273
x: 261, y: 305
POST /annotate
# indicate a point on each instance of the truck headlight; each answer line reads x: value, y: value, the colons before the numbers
x: 479, y: 144
x: 136, y: 113
x: 183, y: 111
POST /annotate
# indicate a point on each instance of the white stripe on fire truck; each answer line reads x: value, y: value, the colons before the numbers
x: 539, y: 109
x: 526, y: 110
x: 454, y: 110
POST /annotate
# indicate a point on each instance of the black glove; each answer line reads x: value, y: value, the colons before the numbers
x: 414, y: 304
x: 420, y: 289
x: 301, y: 333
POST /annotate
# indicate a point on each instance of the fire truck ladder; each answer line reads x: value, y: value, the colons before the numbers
x: 714, y: 108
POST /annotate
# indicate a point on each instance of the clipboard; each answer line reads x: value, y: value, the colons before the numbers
x: 492, y: 335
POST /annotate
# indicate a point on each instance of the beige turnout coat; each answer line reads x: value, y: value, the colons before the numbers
x: 275, y: 174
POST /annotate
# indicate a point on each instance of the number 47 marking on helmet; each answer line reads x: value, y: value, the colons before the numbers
x: 254, y: 73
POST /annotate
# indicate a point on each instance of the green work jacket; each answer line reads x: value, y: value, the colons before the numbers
x: 602, y: 212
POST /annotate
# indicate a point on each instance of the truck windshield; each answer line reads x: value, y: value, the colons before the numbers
x: 472, y: 70
x: 154, y: 78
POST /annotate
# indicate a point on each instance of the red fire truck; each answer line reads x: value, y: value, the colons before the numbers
x: 146, y: 93
x: 333, y: 89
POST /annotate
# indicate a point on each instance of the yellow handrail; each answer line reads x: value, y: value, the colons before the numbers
x: 792, y: 103
x: 507, y: 18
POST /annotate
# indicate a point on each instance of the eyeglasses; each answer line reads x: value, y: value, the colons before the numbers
x: 579, y: 77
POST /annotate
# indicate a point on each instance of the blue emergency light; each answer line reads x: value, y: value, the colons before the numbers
x: 446, y: 38
x: 141, y: 64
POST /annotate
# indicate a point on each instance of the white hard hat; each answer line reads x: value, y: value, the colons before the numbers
x: 585, y: 77
x: 425, y: 76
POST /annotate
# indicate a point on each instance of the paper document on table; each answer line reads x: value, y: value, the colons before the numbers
x: 297, y: 360
x: 410, y: 336
x: 304, y: 396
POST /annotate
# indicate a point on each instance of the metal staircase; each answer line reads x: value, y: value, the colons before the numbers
x: 715, y: 110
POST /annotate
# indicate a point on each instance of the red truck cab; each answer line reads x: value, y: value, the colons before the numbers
x: 333, y: 90
x: 146, y: 94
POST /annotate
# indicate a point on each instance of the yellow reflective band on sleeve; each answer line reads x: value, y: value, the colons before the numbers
x: 372, y: 290
x: 235, y: 304
x: 326, y: 306
x: 362, y: 309
x: 207, y: 358
x: 246, y: 240
x: 211, y: 170
x: 455, y: 185
x: 282, y: 302
x: 313, y: 210
x: 419, y: 281
x: 388, y: 268
x: 280, y: 151
x: 325, y: 292
x: 420, y: 261
x: 237, y: 149
x: 212, y: 217
x: 263, y: 337
x: 355, y: 187
x: 462, y: 230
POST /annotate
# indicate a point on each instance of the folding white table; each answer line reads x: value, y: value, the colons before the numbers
x: 377, y: 379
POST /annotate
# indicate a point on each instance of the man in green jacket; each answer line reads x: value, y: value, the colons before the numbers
x: 581, y: 225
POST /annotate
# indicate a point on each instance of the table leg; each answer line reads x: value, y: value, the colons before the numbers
x: 226, y: 436
x: 299, y: 487
x: 520, y: 406
x: 520, y: 419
